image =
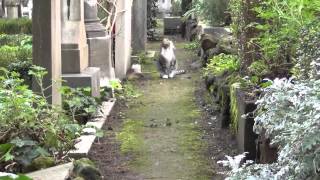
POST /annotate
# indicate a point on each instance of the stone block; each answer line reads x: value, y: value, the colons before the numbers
x: 100, y: 55
x: 216, y: 32
x: 60, y: 172
x: 90, y: 77
x: 172, y: 25
x: 246, y: 138
x: 74, y: 59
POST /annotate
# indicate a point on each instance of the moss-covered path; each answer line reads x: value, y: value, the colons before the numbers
x: 161, y: 127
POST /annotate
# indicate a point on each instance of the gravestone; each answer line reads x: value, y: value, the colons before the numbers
x: 46, y: 30
x: 172, y: 25
x: 123, y: 39
x: 12, y: 8
x: 74, y: 47
x: 2, y: 9
x: 139, y: 25
x: 99, y: 41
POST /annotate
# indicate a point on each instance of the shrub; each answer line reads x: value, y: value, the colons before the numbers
x: 289, y: 115
x: 15, y: 40
x: 13, y: 54
x: 30, y: 128
x: 79, y: 104
x: 16, y: 26
x: 221, y: 64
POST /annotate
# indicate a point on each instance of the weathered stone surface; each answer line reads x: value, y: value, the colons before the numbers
x: 93, y: 26
x: 100, y: 55
x: 123, y: 39
x: 1, y: 9
x: 139, y: 25
x: 246, y: 138
x: 98, y: 41
x: 74, y: 43
x: 172, y: 25
x: 90, y: 77
x: 47, y: 45
x: 54, y: 173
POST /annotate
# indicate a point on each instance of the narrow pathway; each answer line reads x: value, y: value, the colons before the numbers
x: 173, y: 146
x: 169, y: 133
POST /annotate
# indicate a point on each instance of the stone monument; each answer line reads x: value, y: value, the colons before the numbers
x: 12, y: 8
x: 139, y: 25
x: 46, y: 30
x: 2, y: 8
x: 74, y: 47
x: 98, y: 40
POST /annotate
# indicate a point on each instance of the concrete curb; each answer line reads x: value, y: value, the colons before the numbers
x: 85, y: 141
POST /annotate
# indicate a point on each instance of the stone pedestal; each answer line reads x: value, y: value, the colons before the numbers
x: 98, y: 40
x: 90, y: 77
x: 139, y: 25
x: 75, y: 58
x: 47, y: 45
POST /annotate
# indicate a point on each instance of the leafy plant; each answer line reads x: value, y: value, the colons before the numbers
x: 288, y: 114
x: 192, y: 46
x: 79, y: 103
x: 29, y: 126
x: 221, y: 64
x: 15, y: 39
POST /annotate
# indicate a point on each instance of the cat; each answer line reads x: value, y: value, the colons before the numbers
x: 167, y: 62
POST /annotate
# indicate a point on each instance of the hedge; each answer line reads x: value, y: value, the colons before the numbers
x: 16, y: 26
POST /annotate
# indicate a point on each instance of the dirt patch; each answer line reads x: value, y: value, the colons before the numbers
x: 106, y: 152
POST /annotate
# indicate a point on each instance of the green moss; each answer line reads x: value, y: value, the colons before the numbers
x: 130, y: 136
x: 234, y: 107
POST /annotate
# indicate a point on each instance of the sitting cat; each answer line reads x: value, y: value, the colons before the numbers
x: 167, y: 62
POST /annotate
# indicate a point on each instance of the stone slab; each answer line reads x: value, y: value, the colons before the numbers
x: 60, y: 172
x: 90, y: 77
x: 74, y: 60
x: 172, y: 25
x: 100, y: 56
x: 86, y: 141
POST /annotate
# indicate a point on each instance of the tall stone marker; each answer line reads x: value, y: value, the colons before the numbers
x: 46, y: 28
x: 75, y: 58
x: 123, y: 39
x: 139, y: 25
x: 98, y: 40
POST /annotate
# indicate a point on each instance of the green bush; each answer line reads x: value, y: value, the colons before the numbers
x: 221, y: 64
x: 16, y: 26
x: 15, y: 39
x: 79, y: 104
x: 30, y: 128
x: 288, y: 114
x: 14, y: 54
